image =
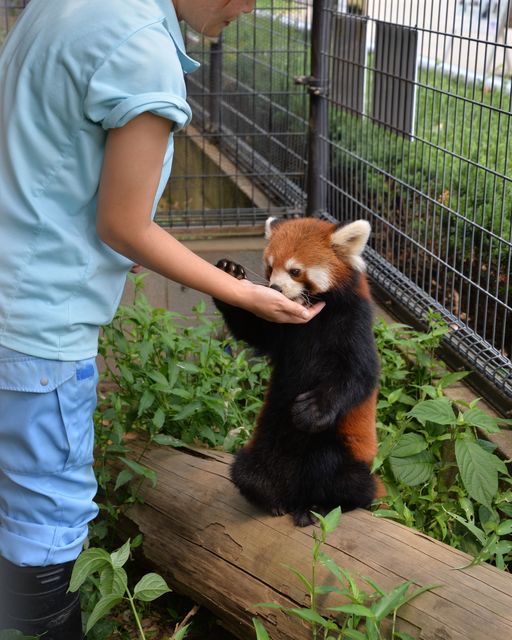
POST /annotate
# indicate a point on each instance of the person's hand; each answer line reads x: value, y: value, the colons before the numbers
x: 271, y: 305
x: 136, y: 268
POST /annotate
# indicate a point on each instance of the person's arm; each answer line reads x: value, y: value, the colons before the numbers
x: 130, y: 175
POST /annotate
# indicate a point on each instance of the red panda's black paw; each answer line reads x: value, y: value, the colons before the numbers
x: 234, y: 269
x: 303, y: 518
x: 278, y: 510
x: 307, y: 414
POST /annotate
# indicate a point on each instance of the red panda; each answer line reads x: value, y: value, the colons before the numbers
x: 315, y: 437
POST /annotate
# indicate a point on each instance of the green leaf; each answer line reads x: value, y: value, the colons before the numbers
x: 181, y: 393
x: 169, y: 441
x: 123, y: 478
x: 413, y: 470
x: 354, y: 610
x: 189, y: 367
x: 478, y: 533
x: 261, y: 632
x: 159, y: 418
x: 390, y: 601
x: 113, y: 581
x: 150, y: 587
x: 158, y: 377
x: 126, y: 373
x: 353, y: 634
x: 87, y: 563
x: 146, y: 401
x: 121, y: 555
x: 14, y: 634
x: 103, y: 606
x: 409, y: 445
x: 438, y: 410
x: 332, y: 520
x: 308, y: 586
x: 417, y: 592
x: 478, y: 471
x: 377, y: 588
x: 339, y: 573
x: 187, y: 411
x: 504, y: 528
x: 140, y: 470
x: 478, y: 418
x: 452, y: 378
x: 323, y: 589
x: 310, y: 615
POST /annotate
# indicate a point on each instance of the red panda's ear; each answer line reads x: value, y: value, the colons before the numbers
x: 270, y: 224
x: 350, y: 240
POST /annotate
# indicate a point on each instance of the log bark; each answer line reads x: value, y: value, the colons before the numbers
x: 211, y: 544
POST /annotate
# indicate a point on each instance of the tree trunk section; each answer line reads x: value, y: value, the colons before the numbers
x: 211, y: 544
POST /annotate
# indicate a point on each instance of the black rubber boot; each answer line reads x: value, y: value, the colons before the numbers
x: 35, y: 600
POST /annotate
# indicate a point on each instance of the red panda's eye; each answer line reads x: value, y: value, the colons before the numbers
x: 295, y: 273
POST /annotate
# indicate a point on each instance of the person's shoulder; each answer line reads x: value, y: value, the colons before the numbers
x: 72, y: 20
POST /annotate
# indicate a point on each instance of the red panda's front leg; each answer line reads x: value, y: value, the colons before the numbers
x: 244, y: 325
x: 309, y: 415
x: 321, y: 408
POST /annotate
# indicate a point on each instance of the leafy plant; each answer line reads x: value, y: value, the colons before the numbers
x: 177, y: 382
x: 442, y: 477
x: 365, y: 612
x: 111, y: 581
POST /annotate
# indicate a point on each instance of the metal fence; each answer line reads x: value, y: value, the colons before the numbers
x: 408, y: 125
x: 245, y: 155
x: 9, y: 11
x: 395, y: 111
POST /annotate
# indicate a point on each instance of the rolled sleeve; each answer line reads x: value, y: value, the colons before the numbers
x: 143, y: 74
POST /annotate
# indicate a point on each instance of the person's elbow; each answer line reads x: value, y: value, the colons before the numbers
x: 108, y: 233
x: 115, y: 235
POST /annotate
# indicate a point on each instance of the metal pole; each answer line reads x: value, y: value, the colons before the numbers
x: 318, y: 133
x: 215, y: 85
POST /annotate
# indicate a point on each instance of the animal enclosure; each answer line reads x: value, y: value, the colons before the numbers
x: 395, y: 112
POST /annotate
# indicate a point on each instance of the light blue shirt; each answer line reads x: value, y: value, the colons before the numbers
x: 69, y: 71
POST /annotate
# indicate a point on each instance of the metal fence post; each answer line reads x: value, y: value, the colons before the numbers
x: 318, y: 87
x: 215, y: 82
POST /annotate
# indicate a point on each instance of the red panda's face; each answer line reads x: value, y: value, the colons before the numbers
x: 306, y: 257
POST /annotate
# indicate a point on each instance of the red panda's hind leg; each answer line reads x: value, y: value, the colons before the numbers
x: 303, y: 517
x: 253, y: 481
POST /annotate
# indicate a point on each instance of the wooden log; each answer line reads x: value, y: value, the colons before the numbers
x: 211, y: 544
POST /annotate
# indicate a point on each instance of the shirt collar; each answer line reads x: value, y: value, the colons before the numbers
x: 173, y: 27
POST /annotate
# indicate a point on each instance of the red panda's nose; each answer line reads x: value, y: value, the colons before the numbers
x: 276, y: 287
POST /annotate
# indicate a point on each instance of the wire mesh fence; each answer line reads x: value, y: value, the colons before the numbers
x: 391, y: 110
x: 419, y: 139
x: 247, y: 143
x: 9, y: 11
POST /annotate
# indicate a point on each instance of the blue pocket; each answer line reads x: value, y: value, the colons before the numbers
x: 45, y: 413
x: 77, y: 401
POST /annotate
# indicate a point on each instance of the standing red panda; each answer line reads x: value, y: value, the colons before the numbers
x: 315, y: 438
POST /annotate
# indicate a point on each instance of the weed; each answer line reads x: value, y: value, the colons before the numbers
x: 442, y: 477
x: 365, y: 612
x: 110, y: 582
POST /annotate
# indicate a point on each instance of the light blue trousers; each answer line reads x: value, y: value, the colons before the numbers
x: 47, y: 482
